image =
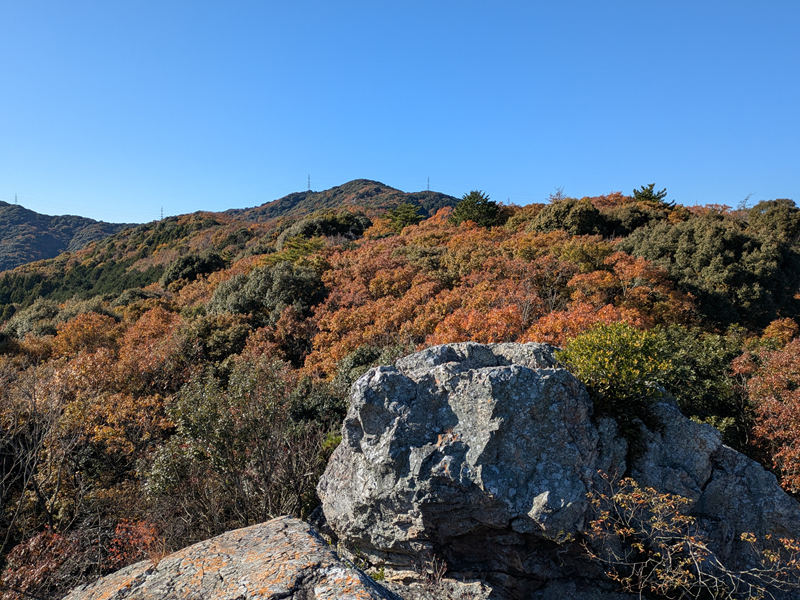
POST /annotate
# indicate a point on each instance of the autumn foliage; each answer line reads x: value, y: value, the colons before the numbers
x: 188, y: 376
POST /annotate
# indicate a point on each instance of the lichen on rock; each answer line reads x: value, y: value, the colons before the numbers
x: 484, y: 455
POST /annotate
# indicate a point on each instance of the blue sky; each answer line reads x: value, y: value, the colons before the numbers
x: 113, y: 110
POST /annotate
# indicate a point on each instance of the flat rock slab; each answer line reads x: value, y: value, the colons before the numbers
x: 281, y: 559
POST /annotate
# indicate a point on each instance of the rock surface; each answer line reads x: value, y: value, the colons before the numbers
x: 484, y: 454
x: 281, y: 559
x: 480, y: 456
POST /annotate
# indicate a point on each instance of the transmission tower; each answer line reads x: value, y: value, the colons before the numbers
x: 429, y: 184
x: 309, y: 183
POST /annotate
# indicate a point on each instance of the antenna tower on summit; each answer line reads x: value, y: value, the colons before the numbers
x: 429, y: 184
x: 309, y: 183
x: 15, y: 200
x: 162, y: 213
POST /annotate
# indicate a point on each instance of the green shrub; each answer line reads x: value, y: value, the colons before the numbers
x: 348, y: 225
x: 576, y: 217
x: 623, y: 369
x: 266, y: 291
x: 620, y: 365
x: 190, y: 266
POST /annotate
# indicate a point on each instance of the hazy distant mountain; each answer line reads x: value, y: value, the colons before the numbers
x: 27, y: 236
x: 370, y: 196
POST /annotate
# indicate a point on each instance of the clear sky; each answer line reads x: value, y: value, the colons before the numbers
x: 115, y: 109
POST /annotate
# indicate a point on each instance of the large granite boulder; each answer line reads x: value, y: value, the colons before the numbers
x: 281, y: 559
x: 484, y: 455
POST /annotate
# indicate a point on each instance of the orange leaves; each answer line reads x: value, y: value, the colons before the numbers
x: 33, y: 566
x: 88, y: 374
x: 503, y: 324
x: 438, y: 283
x: 87, y: 332
x: 470, y: 248
x: 635, y: 284
x: 558, y: 327
x: 380, y: 228
x: 394, y: 282
x: 148, y: 350
x: 123, y: 424
x: 781, y: 330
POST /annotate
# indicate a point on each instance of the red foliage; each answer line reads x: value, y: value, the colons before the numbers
x: 774, y: 388
x: 134, y: 541
x: 32, y: 566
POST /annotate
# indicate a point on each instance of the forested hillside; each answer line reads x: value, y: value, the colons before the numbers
x: 189, y: 376
x: 27, y: 236
x: 359, y: 194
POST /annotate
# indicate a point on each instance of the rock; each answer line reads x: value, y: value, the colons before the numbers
x: 731, y: 493
x: 484, y: 454
x: 283, y: 558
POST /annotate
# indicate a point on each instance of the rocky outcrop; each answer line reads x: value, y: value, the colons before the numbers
x: 484, y: 455
x: 480, y: 457
x: 281, y: 559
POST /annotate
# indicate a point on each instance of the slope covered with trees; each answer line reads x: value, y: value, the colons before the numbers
x: 189, y: 376
x: 359, y: 194
x: 27, y: 236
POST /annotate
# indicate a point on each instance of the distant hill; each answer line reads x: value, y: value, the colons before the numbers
x: 84, y: 260
x: 27, y: 236
x: 364, y: 194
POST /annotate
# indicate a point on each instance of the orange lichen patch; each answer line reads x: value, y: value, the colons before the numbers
x: 280, y: 558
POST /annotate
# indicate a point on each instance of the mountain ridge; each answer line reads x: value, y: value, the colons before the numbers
x: 137, y: 256
x: 358, y: 193
x: 27, y: 236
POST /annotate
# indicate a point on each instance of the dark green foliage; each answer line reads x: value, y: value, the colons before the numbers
x: 7, y: 343
x: 624, y: 220
x: 347, y: 225
x: 171, y: 229
x: 236, y: 458
x: 237, y: 238
x: 404, y: 215
x: 325, y: 402
x: 478, y: 208
x: 524, y: 216
x: 319, y: 401
x: 7, y: 313
x: 777, y: 219
x: 267, y: 291
x: 648, y: 195
x: 189, y: 266
x: 213, y: 338
x: 738, y: 277
x: 131, y: 296
x: 699, y: 379
x: 576, y: 217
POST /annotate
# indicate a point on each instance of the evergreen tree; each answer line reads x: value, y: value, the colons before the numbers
x: 476, y: 207
x: 648, y: 194
x: 404, y: 215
